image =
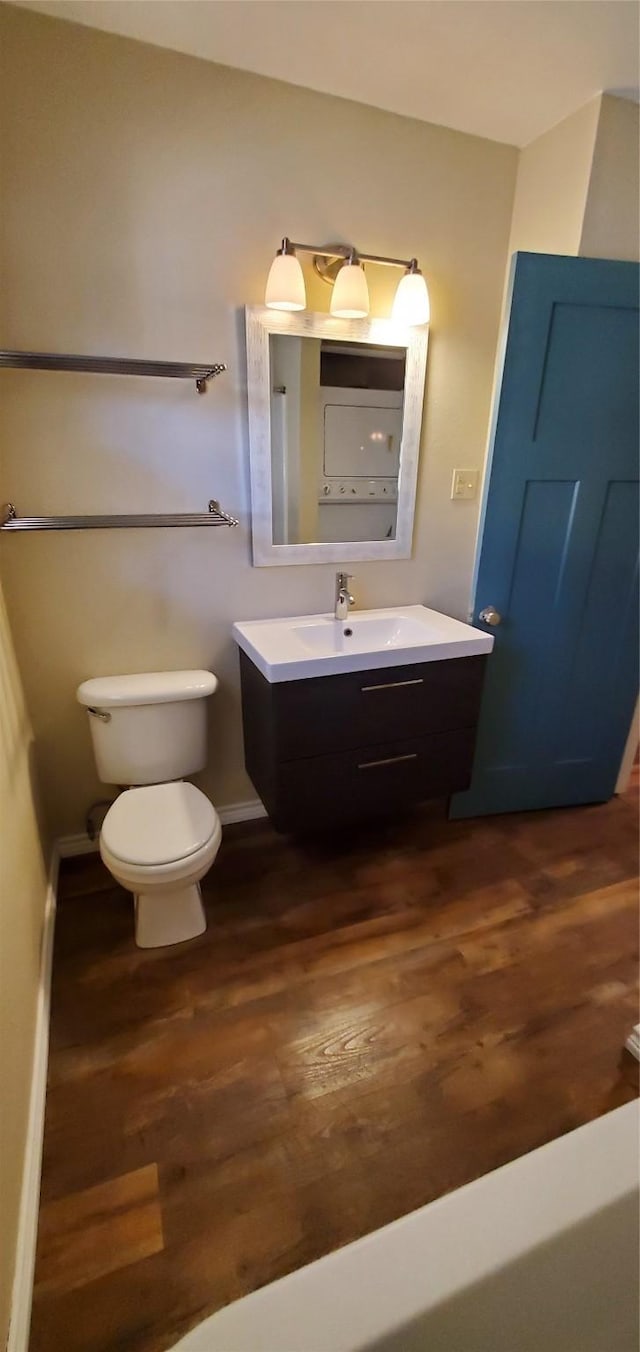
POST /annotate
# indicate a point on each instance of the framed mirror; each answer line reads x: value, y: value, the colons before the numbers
x: 335, y: 412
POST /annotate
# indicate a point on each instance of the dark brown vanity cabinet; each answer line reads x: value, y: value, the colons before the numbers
x: 341, y: 748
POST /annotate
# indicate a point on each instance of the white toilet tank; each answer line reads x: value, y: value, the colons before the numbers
x: 149, y: 728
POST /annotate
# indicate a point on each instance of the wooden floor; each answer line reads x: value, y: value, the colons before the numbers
x: 366, y: 1024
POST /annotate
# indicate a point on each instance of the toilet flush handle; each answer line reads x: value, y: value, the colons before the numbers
x: 99, y: 713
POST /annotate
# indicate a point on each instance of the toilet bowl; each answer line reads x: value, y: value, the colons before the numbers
x: 158, y: 842
x: 161, y: 834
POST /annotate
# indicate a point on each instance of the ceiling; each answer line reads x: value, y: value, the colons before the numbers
x: 504, y: 69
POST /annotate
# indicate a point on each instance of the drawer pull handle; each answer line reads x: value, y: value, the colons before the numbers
x: 392, y: 685
x: 388, y: 760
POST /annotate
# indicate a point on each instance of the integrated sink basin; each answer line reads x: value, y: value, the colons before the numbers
x: 359, y: 633
x: 320, y: 645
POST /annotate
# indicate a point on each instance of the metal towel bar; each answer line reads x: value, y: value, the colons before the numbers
x: 114, y: 366
x: 9, y: 520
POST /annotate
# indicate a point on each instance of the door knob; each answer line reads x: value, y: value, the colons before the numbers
x: 490, y: 616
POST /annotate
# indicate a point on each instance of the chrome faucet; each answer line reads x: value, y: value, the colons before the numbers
x: 344, y: 598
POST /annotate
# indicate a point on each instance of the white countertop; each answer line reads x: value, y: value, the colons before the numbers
x: 303, y: 646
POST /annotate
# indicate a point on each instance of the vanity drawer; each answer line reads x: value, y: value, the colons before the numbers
x: 371, y: 781
x: 332, y: 713
x: 362, y: 744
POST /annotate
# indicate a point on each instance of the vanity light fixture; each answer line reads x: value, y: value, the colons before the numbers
x: 285, y: 283
x: 345, y: 272
x: 350, y: 295
x: 411, y: 301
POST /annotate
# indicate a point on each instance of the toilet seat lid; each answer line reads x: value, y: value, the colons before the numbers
x: 158, y: 824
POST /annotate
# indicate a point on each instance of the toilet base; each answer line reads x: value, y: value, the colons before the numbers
x: 169, y: 917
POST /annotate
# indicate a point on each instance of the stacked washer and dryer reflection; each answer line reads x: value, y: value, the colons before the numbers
x: 361, y: 430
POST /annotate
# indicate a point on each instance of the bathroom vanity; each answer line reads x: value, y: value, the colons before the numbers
x: 349, y: 720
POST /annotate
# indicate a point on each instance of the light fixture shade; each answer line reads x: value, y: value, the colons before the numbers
x: 285, y: 284
x: 411, y: 302
x: 350, y: 296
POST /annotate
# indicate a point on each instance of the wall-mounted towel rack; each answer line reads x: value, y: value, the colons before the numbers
x: 9, y: 520
x: 202, y: 373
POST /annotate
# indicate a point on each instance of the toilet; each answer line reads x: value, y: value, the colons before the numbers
x: 161, y: 835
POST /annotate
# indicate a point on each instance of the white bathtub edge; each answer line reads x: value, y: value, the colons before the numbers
x: 359, y: 1293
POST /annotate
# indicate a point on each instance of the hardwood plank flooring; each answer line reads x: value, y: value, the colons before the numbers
x: 87, y: 1234
x: 365, y: 1025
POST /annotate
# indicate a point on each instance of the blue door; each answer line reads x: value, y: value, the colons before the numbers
x: 558, y: 567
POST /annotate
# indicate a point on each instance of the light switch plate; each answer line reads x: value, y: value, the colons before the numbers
x: 464, y: 483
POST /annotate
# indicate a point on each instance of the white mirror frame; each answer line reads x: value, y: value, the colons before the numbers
x: 260, y: 323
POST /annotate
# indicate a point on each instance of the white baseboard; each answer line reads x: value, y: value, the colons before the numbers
x: 632, y: 1043
x: 18, y: 1339
x: 630, y: 751
x: 70, y: 846
x: 65, y: 848
x: 241, y: 812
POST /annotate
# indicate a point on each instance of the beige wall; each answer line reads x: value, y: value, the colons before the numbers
x: 145, y: 194
x: 611, y: 228
x: 552, y: 185
x: 22, y: 896
x: 577, y: 189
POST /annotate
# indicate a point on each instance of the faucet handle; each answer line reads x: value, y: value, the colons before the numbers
x: 344, y: 599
